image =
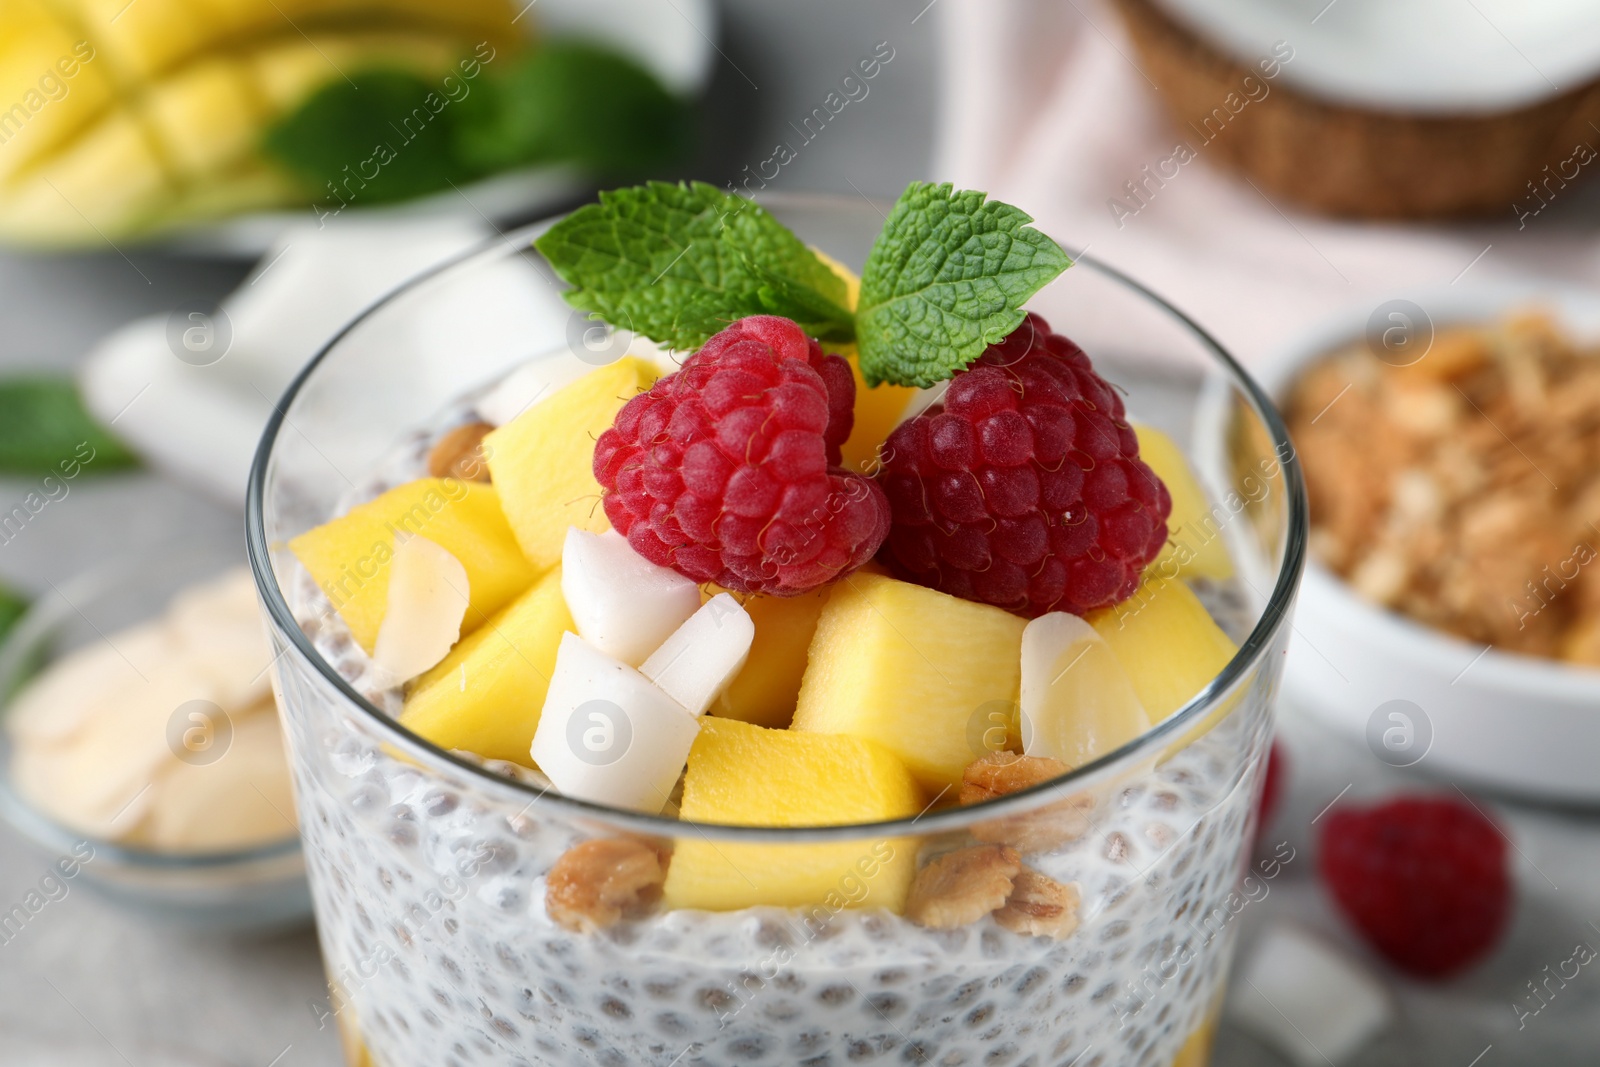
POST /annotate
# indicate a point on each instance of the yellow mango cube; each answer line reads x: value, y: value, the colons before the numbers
x: 878, y: 411
x: 485, y: 697
x: 1167, y: 642
x: 349, y: 556
x: 543, y: 460
x: 919, y: 671
x: 742, y: 774
x: 1195, y: 547
x: 768, y: 685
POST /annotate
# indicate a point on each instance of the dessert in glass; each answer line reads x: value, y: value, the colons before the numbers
x: 806, y: 669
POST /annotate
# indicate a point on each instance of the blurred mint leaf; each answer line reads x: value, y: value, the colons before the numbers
x: 946, y: 278
x: 574, y: 102
x: 678, y: 263
x: 44, y: 425
x: 363, y: 135
x: 12, y: 606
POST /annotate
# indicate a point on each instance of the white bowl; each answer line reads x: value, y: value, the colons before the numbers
x: 1519, y: 724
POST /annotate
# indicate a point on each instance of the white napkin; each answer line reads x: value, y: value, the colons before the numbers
x: 1046, y: 108
x: 199, y: 415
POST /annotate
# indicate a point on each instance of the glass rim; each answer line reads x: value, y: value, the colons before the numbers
x: 1251, y: 650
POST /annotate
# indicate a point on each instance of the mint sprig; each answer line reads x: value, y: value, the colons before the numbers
x: 44, y: 428
x: 947, y: 277
x: 678, y: 263
x: 12, y: 608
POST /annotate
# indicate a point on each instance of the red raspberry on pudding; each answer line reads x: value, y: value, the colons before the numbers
x: 1024, y: 487
x: 726, y: 471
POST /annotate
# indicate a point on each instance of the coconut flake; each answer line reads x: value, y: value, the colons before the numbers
x: 428, y: 597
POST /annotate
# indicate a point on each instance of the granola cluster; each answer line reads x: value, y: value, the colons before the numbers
x: 964, y: 885
x: 1463, y: 489
x: 598, y: 883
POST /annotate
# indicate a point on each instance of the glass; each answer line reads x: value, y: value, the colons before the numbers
x: 428, y: 869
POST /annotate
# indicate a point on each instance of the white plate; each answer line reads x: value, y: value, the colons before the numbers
x: 1519, y: 724
x: 673, y: 39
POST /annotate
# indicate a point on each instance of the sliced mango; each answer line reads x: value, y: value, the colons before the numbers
x: 146, y: 39
x: 206, y: 116
x: 48, y: 92
x: 485, y: 697
x: 742, y: 774
x: 766, y: 689
x: 1195, y: 547
x: 66, y: 195
x: 1167, y: 642
x: 543, y: 460
x: 118, y: 118
x: 349, y: 556
x: 916, y: 670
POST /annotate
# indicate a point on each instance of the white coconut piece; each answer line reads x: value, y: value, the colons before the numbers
x: 607, y: 734
x: 1311, y: 1002
x: 428, y: 596
x: 623, y: 604
x: 1422, y: 56
x: 1077, y: 701
x: 702, y: 656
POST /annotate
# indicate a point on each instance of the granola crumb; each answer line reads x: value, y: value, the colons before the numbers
x: 598, y: 883
x: 1040, y: 906
x: 459, y: 454
x: 1001, y: 773
x: 1049, y: 827
x: 963, y: 886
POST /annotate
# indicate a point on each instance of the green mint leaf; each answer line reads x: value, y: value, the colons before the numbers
x: 574, y: 102
x: 946, y: 278
x: 12, y: 607
x: 45, y: 429
x: 677, y: 263
x: 381, y: 136
x: 823, y: 318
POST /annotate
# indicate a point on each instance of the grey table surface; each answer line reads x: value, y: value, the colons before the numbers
x: 102, y: 985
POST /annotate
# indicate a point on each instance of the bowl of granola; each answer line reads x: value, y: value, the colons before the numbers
x: 1450, y: 614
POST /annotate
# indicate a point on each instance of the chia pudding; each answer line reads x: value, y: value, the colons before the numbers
x: 431, y: 905
x: 1034, y: 872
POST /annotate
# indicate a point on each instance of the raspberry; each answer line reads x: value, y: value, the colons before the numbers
x: 1271, y: 788
x: 727, y: 470
x: 1024, y: 488
x: 1423, y: 878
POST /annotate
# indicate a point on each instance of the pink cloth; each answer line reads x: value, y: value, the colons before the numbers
x: 1046, y: 108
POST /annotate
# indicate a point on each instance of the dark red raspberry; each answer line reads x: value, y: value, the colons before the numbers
x: 727, y: 471
x: 1024, y: 488
x: 1271, y: 788
x: 1423, y: 878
